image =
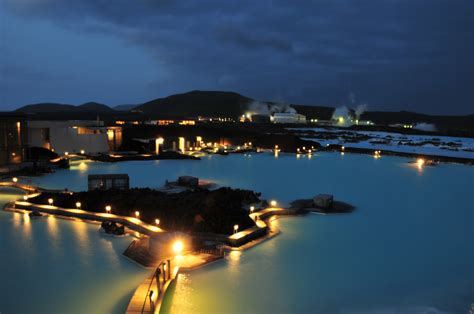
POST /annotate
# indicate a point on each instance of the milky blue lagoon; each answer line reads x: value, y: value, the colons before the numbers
x: 408, y: 247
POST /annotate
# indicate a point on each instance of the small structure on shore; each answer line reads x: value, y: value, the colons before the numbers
x: 188, y: 181
x: 323, y: 203
x: 105, y: 182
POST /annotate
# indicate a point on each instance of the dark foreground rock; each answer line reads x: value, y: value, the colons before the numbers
x: 197, y: 210
x: 111, y: 227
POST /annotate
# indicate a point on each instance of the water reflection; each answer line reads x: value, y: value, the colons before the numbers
x: 81, y: 233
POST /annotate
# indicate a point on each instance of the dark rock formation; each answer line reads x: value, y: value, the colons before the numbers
x: 197, y: 210
x: 111, y: 227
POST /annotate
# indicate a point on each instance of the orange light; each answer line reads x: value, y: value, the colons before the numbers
x: 178, y: 247
x: 420, y: 162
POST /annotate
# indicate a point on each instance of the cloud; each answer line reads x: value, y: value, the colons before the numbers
x: 405, y: 54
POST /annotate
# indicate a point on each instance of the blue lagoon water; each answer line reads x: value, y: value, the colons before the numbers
x: 408, y: 247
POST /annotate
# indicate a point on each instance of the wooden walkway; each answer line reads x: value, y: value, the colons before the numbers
x: 131, y: 222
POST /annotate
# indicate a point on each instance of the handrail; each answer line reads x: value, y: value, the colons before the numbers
x: 164, y: 269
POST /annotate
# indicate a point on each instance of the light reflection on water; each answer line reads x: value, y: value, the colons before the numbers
x: 406, y: 246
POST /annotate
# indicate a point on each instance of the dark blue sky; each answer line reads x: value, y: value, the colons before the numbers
x: 412, y: 55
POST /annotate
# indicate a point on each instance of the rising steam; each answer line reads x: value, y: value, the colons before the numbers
x: 262, y: 108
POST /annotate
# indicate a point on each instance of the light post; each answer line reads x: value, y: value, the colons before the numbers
x: 157, y: 222
x: 108, y: 209
x: 252, y: 208
x: 78, y: 205
x: 15, y: 180
x: 236, y: 228
x: 50, y: 201
x: 273, y: 203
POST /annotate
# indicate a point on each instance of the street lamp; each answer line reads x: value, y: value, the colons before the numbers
x: 236, y: 228
x: 25, y: 198
x: 108, y: 208
x: 252, y: 208
x: 50, y: 201
x: 78, y: 205
x: 137, y: 214
x: 15, y: 179
x: 273, y: 203
x: 157, y: 222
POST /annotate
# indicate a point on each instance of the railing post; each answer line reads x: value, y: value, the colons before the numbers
x: 169, y: 269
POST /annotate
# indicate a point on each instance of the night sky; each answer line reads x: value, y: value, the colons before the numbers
x: 393, y: 55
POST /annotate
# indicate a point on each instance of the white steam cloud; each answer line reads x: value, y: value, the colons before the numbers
x: 257, y: 107
x: 342, y: 116
x: 425, y: 127
x: 359, y: 110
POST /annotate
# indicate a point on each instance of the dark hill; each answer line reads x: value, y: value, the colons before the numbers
x: 90, y: 107
x: 94, y: 107
x: 198, y: 103
x: 47, y: 107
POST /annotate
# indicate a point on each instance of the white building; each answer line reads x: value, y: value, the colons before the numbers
x: 285, y: 117
x: 90, y: 137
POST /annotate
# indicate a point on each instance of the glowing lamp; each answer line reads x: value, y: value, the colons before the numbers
x: 15, y: 179
x: 178, y: 247
x: 78, y: 205
x: 50, y: 201
x: 82, y: 152
x: 157, y: 222
x: 66, y: 153
x: 252, y: 208
x: 108, y: 208
x: 137, y: 214
x: 420, y: 162
x: 236, y: 228
x: 25, y: 198
x: 273, y: 203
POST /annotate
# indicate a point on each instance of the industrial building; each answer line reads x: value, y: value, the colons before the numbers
x: 90, y: 137
x: 288, y: 117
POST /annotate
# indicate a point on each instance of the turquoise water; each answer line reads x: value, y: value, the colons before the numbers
x: 408, y: 247
x: 50, y: 265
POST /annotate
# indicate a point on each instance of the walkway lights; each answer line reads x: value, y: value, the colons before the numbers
x: 25, y: 198
x: 236, y: 228
x: 137, y: 214
x: 157, y: 222
x: 15, y: 179
x: 78, y: 205
x: 82, y: 152
x: 66, y: 153
x: 252, y: 208
x: 108, y: 209
x: 50, y: 201
x: 273, y: 203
